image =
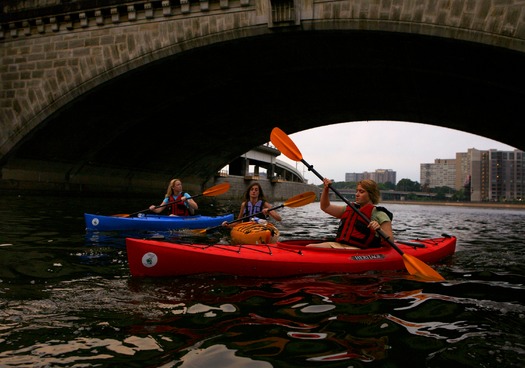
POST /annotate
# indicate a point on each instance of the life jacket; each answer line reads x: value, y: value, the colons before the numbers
x: 251, y: 209
x: 179, y: 208
x: 353, y: 230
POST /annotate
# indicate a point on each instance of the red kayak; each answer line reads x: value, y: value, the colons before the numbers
x: 156, y: 258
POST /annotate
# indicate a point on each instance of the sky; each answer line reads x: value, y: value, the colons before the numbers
x: 367, y: 146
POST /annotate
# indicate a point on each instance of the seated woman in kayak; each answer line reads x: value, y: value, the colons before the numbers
x: 176, y: 201
x: 353, y: 231
x: 255, y: 205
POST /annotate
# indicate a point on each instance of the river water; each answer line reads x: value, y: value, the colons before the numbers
x: 67, y: 298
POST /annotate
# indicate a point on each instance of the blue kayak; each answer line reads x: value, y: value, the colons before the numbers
x: 153, y: 222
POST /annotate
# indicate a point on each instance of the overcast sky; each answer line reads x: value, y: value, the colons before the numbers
x: 366, y: 146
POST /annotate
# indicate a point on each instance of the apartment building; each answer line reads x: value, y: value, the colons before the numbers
x: 487, y: 175
x: 441, y: 173
x: 379, y: 176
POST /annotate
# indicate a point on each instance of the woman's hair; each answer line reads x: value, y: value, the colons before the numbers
x: 169, y: 191
x: 261, y: 193
x: 373, y: 190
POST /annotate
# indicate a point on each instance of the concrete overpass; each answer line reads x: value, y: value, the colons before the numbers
x: 121, y: 96
x: 262, y: 162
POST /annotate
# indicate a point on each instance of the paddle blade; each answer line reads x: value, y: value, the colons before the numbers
x: 300, y: 200
x: 284, y: 144
x: 420, y: 269
x: 217, y: 190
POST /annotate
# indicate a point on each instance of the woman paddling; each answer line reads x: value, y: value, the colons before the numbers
x: 353, y: 231
x: 255, y: 205
x: 177, y: 202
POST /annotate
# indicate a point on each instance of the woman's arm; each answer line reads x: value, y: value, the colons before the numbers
x: 386, y: 227
x: 326, y: 205
x: 273, y: 214
x: 241, y: 212
x: 158, y: 209
x: 192, y: 205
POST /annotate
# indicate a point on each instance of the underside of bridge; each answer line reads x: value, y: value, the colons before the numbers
x: 192, y: 113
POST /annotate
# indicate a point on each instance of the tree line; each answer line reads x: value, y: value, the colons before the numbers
x: 406, y: 185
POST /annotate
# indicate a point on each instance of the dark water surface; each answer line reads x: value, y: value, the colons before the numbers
x: 67, y: 298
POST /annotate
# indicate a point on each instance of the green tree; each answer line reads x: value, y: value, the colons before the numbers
x: 459, y: 196
x: 387, y: 186
x: 407, y: 185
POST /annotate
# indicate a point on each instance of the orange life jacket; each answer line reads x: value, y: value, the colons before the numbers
x: 353, y: 230
x: 179, y: 208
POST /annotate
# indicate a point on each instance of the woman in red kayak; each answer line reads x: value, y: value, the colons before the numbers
x: 353, y: 231
x: 177, y: 202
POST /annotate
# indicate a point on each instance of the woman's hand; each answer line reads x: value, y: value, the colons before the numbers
x: 374, y: 225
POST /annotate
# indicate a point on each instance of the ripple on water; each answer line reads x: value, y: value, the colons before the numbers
x: 67, y: 300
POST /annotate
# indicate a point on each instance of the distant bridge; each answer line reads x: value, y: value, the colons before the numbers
x: 120, y: 96
x: 265, y: 157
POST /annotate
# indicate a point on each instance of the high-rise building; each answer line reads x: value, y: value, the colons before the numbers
x: 486, y: 175
x: 505, y: 175
x: 385, y: 176
x: 478, y: 169
x: 354, y: 177
x: 379, y: 176
x: 463, y: 173
x: 442, y: 173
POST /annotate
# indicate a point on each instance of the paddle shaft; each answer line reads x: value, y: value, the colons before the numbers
x: 296, y: 201
x: 244, y: 218
x: 164, y: 205
x: 363, y: 216
x: 256, y: 214
x: 213, y: 191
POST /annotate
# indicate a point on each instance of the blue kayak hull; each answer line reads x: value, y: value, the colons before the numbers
x: 153, y: 222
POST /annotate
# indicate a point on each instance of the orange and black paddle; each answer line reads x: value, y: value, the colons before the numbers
x: 211, y: 192
x: 299, y: 200
x: 413, y: 265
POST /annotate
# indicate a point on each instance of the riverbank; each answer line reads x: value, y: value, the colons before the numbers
x: 515, y: 206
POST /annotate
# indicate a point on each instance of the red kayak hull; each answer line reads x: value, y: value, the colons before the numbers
x: 153, y: 258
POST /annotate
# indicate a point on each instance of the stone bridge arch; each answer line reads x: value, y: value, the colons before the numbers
x: 123, y: 97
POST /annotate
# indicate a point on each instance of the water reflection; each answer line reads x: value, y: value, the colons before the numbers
x: 308, y: 319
